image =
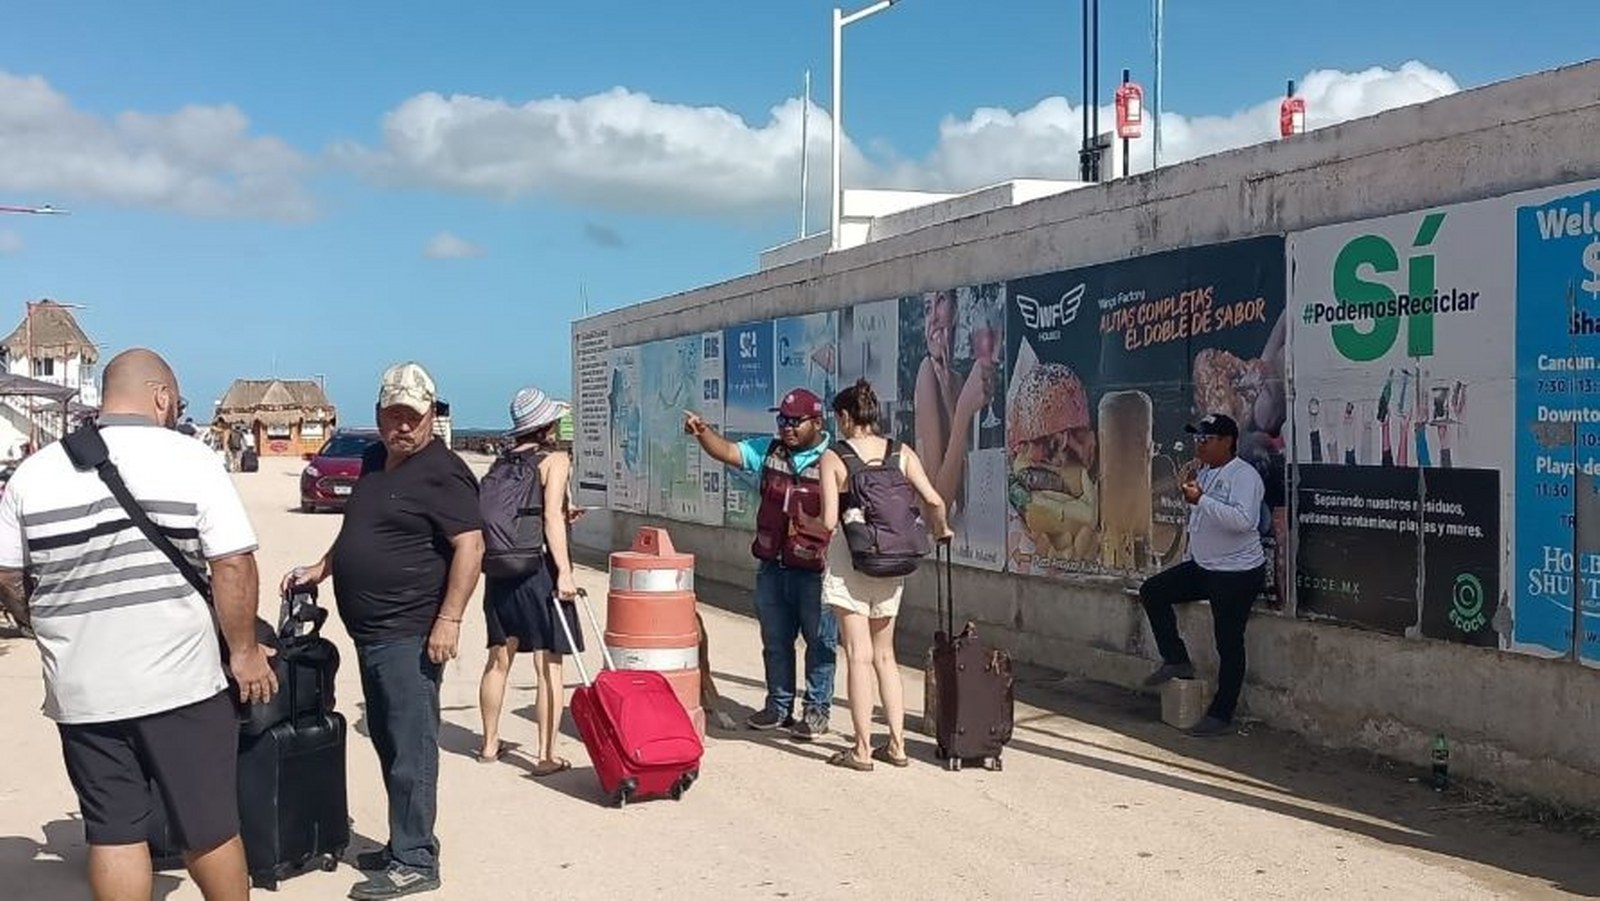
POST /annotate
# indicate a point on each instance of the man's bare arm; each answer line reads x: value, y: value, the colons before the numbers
x: 235, y: 589
x: 465, y: 566
x: 236, y: 592
x: 14, y: 596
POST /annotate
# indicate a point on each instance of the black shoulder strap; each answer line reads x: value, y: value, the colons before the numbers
x: 852, y: 460
x: 87, y: 450
x: 891, y: 454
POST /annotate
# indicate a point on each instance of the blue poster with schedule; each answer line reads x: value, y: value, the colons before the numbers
x: 1558, y: 426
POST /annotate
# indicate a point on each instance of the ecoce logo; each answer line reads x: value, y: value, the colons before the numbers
x: 1368, y: 314
x: 1466, y: 604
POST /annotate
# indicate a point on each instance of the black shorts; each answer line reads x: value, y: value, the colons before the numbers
x: 189, y: 754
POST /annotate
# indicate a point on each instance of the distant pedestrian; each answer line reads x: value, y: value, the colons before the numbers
x: 132, y: 662
x: 1224, y: 564
x: 404, y: 565
x: 791, y: 543
x: 526, y: 509
x: 867, y: 605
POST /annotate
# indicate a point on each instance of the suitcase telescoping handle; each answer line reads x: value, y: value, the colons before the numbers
x: 561, y: 617
x: 945, y: 612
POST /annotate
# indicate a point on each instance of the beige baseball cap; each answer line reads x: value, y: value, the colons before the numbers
x: 407, y: 385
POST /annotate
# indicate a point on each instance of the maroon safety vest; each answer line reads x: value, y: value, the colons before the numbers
x: 783, y: 489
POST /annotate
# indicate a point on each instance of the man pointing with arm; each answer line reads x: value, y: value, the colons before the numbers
x: 791, y: 544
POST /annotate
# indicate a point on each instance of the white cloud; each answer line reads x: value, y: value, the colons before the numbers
x: 10, y: 243
x: 199, y: 160
x: 446, y: 246
x: 624, y: 150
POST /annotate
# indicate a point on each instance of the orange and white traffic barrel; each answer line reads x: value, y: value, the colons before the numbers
x: 650, y: 616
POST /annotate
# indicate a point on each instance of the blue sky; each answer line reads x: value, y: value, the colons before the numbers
x: 255, y: 187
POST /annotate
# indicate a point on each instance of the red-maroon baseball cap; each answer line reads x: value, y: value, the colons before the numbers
x: 799, y: 404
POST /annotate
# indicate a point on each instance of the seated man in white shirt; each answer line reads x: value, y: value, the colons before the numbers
x: 1224, y: 564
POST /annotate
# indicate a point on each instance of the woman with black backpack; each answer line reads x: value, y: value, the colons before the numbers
x: 527, y: 567
x: 870, y: 489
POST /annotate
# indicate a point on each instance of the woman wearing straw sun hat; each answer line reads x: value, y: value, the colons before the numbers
x: 524, y: 494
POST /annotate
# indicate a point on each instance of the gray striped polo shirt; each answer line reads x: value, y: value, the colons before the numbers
x: 121, y: 634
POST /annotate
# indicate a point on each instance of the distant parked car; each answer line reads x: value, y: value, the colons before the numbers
x: 326, y: 481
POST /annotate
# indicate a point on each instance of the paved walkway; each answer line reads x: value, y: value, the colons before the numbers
x: 1096, y: 801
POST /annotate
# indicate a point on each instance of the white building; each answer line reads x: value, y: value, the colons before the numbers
x: 50, y: 346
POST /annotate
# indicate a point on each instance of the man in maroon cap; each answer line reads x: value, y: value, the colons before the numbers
x: 792, y: 545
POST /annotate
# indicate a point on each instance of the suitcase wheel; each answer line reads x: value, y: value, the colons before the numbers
x: 329, y: 863
x: 992, y: 764
x: 625, y: 792
x: 682, y: 785
x: 267, y: 881
x: 953, y: 764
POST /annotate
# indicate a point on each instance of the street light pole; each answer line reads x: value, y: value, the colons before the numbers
x: 840, y: 20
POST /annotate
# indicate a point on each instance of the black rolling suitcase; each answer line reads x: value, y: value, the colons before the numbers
x: 293, y: 805
x: 970, y: 699
x: 249, y: 461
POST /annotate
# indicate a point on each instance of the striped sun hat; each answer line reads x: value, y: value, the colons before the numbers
x: 532, y: 410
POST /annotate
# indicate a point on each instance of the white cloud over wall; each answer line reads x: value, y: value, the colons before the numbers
x: 619, y: 150
x: 624, y: 150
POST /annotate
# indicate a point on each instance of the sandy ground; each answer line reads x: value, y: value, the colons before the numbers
x: 1097, y: 800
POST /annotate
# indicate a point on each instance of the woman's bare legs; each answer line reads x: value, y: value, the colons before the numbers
x: 890, y: 688
x: 547, y: 709
x: 492, y: 694
x: 857, y: 641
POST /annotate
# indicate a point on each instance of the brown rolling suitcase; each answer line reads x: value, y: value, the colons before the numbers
x: 969, y: 693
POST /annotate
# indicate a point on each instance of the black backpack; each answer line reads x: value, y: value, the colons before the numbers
x: 511, y: 501
x: 882, y: 523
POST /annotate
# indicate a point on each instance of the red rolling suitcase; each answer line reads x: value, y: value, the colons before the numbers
x: 639, y: 738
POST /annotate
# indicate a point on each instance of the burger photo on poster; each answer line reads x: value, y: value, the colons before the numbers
x: 1053, y: 449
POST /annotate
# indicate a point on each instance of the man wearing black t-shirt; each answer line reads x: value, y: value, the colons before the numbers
x: 404, y: 565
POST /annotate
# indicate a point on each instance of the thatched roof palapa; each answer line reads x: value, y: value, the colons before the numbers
x: 274, y: 402
x: 55, y: 334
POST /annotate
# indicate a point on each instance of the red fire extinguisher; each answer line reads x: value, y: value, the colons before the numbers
x: 1291, y: 114
x: 1130, y: 110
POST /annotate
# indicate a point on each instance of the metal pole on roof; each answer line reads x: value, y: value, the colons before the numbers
x: 805, y: 159
x: 1155, y: 92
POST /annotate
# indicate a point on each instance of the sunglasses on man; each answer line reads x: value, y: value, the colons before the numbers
x: 792, y: 422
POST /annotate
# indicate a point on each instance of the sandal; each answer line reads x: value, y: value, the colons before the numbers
x: 558, y: 765
x: 499, y: 752
x: 882, y: 753
x: 848, y: 760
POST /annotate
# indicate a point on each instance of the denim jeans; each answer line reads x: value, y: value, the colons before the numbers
x: 789, y: 604
x: 401, y: 686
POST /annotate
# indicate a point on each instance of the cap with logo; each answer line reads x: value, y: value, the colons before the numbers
x: 532, y: 410
x: 407, y: 385
x: 1217, y: 424
x: 799, y: 404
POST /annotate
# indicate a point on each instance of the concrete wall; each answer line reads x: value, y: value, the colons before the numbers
x: 1530, y: 725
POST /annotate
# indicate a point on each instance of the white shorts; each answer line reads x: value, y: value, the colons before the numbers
x: 854, y: 592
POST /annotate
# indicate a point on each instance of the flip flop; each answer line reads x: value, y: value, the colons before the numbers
x: 848, y: 760
x: 499, y: 753
x: 882, y: 753
x: 558, y: 765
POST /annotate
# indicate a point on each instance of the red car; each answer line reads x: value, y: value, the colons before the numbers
x: 326, y: 481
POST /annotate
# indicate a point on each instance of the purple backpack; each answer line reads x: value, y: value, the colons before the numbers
x: 511, y: 501
x: 879, y: 514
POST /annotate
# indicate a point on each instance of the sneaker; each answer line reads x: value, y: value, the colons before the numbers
x: 397, y: 881
x: 813, y: 724
x: 766, y: 720
x: 1169, y: 671
x: 374, y: 861
x: 1211, y: 727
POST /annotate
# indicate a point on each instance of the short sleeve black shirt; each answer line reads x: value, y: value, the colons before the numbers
x: 391, y: 561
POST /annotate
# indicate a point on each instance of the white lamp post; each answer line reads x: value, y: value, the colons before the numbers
x: 840, y: 20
